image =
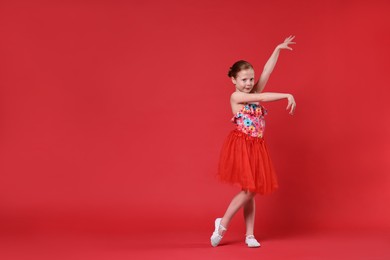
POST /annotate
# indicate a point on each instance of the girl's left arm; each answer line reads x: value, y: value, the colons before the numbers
x: 270, y: 65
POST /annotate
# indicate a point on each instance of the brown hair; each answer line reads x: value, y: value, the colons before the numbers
x: 237, y: 67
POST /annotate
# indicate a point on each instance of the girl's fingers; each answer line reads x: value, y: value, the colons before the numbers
x: 293, y: 105
x: 289, y: 39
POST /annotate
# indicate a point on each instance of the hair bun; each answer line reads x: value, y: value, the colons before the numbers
x: 230, y: 72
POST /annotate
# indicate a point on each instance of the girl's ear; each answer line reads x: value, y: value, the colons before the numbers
x: 234, y: 80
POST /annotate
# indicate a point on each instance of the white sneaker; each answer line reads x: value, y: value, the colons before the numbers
x: 251, y: 241
x: 216, y: 237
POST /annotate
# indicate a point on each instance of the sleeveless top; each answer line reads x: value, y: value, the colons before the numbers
x: 250, y: 120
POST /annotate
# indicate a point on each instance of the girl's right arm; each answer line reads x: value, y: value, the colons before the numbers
x: 269, y: 66
x: 240, y: 97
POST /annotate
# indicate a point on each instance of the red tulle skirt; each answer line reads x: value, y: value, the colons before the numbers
x: 244, y: 161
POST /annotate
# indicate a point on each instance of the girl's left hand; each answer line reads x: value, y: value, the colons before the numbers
x: 286, y: 42
x: 291, y: 104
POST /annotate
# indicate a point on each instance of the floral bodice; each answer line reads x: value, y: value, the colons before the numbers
x: 250, y: 120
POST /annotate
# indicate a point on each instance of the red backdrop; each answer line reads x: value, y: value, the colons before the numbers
x: 113, y: 113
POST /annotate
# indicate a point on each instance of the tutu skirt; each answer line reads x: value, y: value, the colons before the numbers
x: 244, y: 161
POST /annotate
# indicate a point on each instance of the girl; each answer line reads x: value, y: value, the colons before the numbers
x: 244, y: 158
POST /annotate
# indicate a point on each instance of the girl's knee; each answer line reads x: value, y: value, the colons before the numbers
x: 249, y: 194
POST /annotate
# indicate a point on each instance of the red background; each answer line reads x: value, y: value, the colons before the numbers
x: 113, y: 113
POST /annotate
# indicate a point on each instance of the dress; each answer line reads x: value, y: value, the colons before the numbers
x: 244, y: 158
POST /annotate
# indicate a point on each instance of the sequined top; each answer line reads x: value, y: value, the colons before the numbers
x: 250, y: 120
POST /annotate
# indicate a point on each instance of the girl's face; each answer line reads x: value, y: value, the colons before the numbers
x: 244, y: 81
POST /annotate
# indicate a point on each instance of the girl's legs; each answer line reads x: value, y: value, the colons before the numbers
x: 249, y: 216
x: 241, y: 199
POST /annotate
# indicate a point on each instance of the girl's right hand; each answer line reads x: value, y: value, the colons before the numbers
x: 291, y: 103
x: 286, y: 42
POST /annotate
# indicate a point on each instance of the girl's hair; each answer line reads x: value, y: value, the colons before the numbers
x: 237, y: 67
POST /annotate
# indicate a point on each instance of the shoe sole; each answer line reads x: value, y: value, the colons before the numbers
x: 252, y: 246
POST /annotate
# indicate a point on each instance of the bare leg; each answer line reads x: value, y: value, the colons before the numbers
x: 237, y: 202
x: 249, y: 216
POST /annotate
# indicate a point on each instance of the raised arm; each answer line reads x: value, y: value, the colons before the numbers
x: 270, y: 65
x: 241, y: 97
